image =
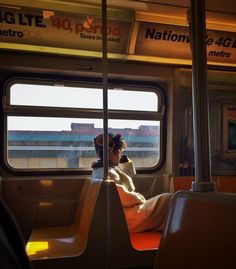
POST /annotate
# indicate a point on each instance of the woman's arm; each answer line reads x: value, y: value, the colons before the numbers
x: 129, y: 198
x: 128, y: 167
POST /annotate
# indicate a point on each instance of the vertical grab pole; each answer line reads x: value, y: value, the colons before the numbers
x: 104, y: 86
x: 105, y: 130
x: 200, y: 98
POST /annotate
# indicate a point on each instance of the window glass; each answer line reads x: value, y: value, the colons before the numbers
x: 132, y: 100
x: 77, y: 97
x: 61, y: 134
x: 55, y: 96
x: 44, y: 142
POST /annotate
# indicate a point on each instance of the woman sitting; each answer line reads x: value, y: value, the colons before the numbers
x: 141, y: 214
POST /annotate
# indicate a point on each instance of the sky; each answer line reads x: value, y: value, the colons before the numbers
x: 74, y: 97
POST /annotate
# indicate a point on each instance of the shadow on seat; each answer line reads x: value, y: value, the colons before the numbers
x: 200, y: 232
x: 12, y: 249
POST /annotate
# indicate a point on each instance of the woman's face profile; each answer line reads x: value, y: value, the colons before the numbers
x: 114, y: 157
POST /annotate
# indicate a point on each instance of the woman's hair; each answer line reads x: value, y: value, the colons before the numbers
x: 116, y: 142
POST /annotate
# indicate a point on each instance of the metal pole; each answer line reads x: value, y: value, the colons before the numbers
x: 200, y: 98
x: 105, y: 86
x: 105, y: 128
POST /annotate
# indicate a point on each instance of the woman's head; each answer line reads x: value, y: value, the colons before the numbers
x: 116, y: 146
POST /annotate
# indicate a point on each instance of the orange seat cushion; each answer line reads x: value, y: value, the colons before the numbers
x: 182, y: 183
x: 226, y: 184
x: 146, y: 240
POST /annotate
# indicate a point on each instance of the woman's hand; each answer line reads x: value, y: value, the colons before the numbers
x: 124, y: 158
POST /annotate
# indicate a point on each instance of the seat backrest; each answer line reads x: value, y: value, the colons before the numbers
x: 199, y: 232
x: 184, y: 183
x: 12, y: 249
x: 226, y: 183
x: 181, y: 183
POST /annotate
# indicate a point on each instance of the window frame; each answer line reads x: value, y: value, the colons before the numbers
x: 63, y: 112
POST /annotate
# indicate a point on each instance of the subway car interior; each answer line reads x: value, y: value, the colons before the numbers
x: 75, y: 76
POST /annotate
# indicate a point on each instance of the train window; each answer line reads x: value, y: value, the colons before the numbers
x: 53, y: 126
x: 61, y: 96
x: 44, y: 142
x: 143, y: 101
x: 55, y: 96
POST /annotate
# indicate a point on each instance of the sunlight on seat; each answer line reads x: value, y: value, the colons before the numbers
x: 33, y: 247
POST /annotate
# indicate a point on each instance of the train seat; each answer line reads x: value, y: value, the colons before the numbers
x: 200, y: 232
x: 145, y: 240
x: 223, y: 183
x: 226, y: 184
x: 12, y: 248
x: 181, y: 183
x: 50, y: 241
x: 87, y: 246
x: 138, y: 250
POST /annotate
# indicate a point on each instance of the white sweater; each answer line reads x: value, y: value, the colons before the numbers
x: 141, y: 214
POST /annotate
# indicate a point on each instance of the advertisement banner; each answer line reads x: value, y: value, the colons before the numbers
x: 172, y: 41
x: 62, y: 30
